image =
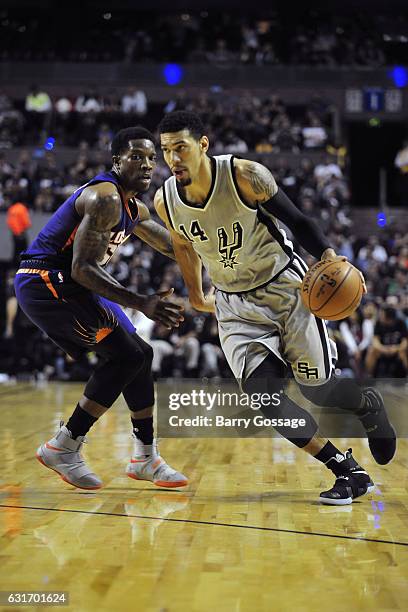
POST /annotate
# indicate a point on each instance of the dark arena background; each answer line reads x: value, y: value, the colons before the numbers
x: 318, y: 93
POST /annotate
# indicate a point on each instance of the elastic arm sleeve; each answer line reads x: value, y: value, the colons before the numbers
x: 305, y: 230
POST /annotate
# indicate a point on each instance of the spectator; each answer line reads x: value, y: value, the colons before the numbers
x: 18, y: 221
x: 187, y: 346
x: 134, y: 101
x: 221, y: 54
x: 88, y: 103
x: 63, y: 105
x: 11, y: 122
x: 37, y: 101
x: 350, y: 332
x: 314, y: 133
x: 326, y: 170
x: 376, y: 250
x: 38, y: 107
x: 162, y: 349
x: 369, y: 313
x: 389, y: 346
x: 311, y: 39
x: 212, y: 358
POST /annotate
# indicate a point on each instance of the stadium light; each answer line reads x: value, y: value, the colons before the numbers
x: 173, y: 74
x: 49, y: 144
x: 381, y: 219
x: 400, y: 76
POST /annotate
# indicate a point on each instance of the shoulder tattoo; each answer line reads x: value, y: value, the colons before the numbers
x: 105, y: 212
x: 260, y: 179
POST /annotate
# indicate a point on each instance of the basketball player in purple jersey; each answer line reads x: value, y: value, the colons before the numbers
x: 63, y: 287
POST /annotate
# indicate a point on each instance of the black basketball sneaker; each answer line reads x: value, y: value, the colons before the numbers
x: 382, y: 438
x: 351, y: 481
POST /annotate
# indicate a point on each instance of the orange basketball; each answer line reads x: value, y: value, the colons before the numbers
x: 332, y: 290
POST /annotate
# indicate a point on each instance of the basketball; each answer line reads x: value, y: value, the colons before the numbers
x: 332, y: 290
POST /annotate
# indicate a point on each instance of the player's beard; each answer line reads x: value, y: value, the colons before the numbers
x: 184, y: 182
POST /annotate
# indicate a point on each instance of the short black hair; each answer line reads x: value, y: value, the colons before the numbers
x: 182, y: 120
x: 120, y: 141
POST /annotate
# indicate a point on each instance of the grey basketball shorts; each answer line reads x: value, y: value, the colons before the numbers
x: 272, y: 319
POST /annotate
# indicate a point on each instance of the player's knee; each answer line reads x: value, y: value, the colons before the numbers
x: 262, y: 385
x: 148, y: 354
x: 267, y: 378
x: 130, y: 361
x: 145, y: 349
x: 318, y: 395
x: 140, y: 355
x: 337, y: 392
x: 268, y: 393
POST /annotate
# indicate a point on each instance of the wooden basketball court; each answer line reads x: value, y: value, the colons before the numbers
x: 247, y: 534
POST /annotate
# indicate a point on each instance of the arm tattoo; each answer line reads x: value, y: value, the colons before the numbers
x: 261, y: 180
x: 90, y: 245
x: 92, y: 237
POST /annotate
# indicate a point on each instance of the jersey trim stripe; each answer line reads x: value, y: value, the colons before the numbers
x: 235, y: 184
x: 324, y: 340
x: 71, y: 238
x: 132, y: 202
x: 275, y: 232
x: 320, y: 325
x: 166, y: 206
x: 45, y: 275
x: 296, y: 270
x: 301, y: 263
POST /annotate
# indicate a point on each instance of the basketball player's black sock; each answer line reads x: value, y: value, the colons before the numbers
x: 80, y: 422
x: 333, y: 459
x: 143, y: 429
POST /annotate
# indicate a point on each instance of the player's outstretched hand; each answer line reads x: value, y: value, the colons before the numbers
x: 330, y: 255
x: 156, y: 308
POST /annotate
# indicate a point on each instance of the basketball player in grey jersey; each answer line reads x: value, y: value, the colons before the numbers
x: 223, y: 213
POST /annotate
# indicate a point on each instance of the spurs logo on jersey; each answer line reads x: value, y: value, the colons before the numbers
x: 241, y: 246
x: 116, y: 239
x: 227, y: 249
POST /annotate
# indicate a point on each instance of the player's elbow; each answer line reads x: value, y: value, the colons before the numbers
x: 80, y: 271
x: 76, y: 271
x: 169, y: 251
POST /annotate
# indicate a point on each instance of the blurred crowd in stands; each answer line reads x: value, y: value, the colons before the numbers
x: 238, y: 122
x: 373, y: 342
x: 302, y: 36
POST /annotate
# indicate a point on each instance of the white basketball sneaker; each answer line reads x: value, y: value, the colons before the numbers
x: 62, y: 455
x: 146, y: 464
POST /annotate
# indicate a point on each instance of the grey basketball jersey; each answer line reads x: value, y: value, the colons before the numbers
x: 242, y: 247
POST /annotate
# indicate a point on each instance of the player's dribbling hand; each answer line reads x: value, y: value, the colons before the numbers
x: 167, y: 313
x: 330, y: 255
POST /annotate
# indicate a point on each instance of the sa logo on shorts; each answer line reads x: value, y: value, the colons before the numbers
x: 303, y: 367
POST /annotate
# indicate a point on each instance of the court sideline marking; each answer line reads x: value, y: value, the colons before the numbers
x: 195, y: 522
